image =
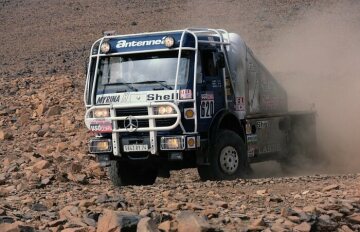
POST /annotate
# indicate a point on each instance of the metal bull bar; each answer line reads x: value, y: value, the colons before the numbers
x: 150, y: 116
x: 132, y: 121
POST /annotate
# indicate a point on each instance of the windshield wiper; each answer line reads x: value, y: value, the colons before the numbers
x: 155, y: 82
x: 122, y: 83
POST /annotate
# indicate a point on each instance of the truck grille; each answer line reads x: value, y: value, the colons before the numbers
x: 163, y: 122
x: 131, y: 111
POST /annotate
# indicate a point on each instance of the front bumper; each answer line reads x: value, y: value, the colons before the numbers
x: 138, y: 118
x: 142, y: 144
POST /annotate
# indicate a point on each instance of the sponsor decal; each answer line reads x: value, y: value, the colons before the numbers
x: 162, y: 97
x: 270, y: 148
x: 135, y: 43
x: 101, y: 125
x: 240, y: 104
x: 251, y: 138
x: 185, y: 94
x: 125, y: 98
x: 262, y: 124
x: 251, y: 151
x: 248, y: 128
x: 129, y: 97
x: 107, y: 99
x: 207, y: 96
x: 216, y: 83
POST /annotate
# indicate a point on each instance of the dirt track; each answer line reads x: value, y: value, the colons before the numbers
x: 49, y: 183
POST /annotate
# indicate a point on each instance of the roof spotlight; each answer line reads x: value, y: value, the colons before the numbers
x: 105, y: 47
x: 169, y: 41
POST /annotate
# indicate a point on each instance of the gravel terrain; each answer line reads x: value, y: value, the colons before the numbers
x: 48, y: 182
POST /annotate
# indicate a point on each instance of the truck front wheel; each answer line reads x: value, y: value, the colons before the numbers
x: 227, y: 158
x: 122, y: 175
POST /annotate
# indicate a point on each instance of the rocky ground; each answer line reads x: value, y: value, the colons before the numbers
x: 48, y: 182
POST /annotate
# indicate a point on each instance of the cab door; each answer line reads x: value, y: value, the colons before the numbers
x: 210, y: 88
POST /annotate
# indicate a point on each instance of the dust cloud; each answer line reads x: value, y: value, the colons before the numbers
x: 315, y: 53
x: 317, y: 60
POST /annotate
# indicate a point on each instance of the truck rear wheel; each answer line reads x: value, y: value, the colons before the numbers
x: 227, y: 158
x: 122, y: 175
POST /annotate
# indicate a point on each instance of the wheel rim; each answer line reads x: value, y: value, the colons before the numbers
x: 229, y: 160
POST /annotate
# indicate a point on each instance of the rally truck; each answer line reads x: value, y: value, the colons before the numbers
x: 188, y: 98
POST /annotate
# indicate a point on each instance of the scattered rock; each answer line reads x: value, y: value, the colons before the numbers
x: 72, y: 214
x: 274, y: 198
x: 303, y: 227
x: 76, y: 229
x: 325, y: 223
x: 40, y: 165
x: 262, y: 192
x: 355, y: 218
x: 330, y: 187
x: 86, y: 203
x: 6, y: 219
x: 221, y: 204
x: 40, y: 109
x: 145, y: 212
x: 345, y: 228
x: 309, y: 209
x: 79, y: 178
x: 210, y: 213
x: 4, y: 135
x: 189, y: 221
x: 54, y: 110
x: 117, y: 221
x: 56, y: 223
x: 168, y: 226
x: 16, y: 227
x: 146, y: 225
x: 39, y: 207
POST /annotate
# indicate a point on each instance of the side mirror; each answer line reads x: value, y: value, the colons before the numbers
x: 220, y: 60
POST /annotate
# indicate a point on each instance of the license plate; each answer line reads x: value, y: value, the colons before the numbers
x: 136, y: 147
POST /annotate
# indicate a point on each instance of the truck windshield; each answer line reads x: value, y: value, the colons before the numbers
x: 129, y: 71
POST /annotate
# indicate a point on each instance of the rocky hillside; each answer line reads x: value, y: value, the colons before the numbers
x: 48, y: 182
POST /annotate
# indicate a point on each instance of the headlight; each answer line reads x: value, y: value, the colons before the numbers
x: 161, y: 110
x: 172, y: 143
x: 105, y: 47
x: 100, y: 146
x: 101, y: 113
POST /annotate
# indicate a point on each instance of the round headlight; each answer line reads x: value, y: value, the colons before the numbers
x: 162, y: 110
x: 169, y: 41
x: 169, y: 110
x: 101, y: 113
x: 105, y: 47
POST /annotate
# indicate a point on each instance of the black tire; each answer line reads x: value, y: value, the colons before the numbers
x: 230, y: 148
x: 122, y: 175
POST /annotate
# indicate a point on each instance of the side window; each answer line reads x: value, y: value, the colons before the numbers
x: 208, y: 63
x: 91, y: 80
